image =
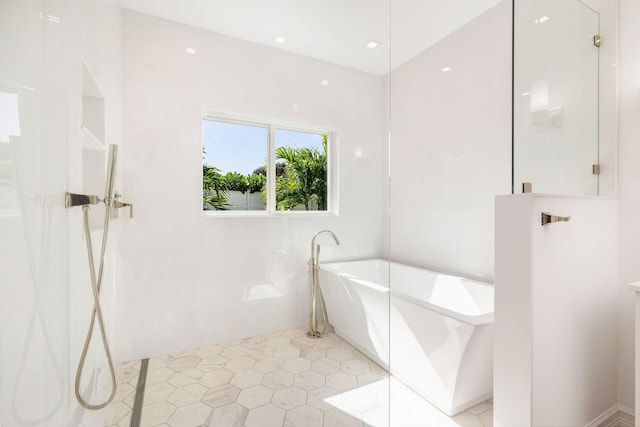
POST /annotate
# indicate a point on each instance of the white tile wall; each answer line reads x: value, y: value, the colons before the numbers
x: 188, y: 278
x: 628, y: 195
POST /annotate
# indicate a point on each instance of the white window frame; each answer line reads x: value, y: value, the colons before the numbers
x: 271, y: 126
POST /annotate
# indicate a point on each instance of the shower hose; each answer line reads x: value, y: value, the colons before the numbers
x: 96, y: 284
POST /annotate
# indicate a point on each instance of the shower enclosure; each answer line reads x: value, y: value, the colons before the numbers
x: 417, y: 145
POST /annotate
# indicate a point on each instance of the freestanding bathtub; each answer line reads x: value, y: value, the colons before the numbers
x: 432, y: 331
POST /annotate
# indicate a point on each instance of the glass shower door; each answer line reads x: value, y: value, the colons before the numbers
x: 555, y: 99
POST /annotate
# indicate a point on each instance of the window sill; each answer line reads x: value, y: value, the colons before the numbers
x: 256, y: 214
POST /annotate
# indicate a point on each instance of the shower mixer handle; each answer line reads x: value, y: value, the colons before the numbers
x: 117, y: 204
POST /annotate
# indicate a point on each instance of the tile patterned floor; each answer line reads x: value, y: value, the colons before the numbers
x: 278, y: 379
x: 122, y: 404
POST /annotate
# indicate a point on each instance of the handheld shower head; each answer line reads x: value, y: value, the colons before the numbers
x: 111, y: 172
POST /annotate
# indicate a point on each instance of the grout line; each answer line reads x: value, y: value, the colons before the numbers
x: 136, y: 412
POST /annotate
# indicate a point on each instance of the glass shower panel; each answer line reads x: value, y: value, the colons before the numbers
x: 555, y: 99
x: 46, y: 50
x: 449, y: 157
x: 34, y: 332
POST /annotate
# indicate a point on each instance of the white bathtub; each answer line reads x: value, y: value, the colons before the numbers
x: 434, y: 331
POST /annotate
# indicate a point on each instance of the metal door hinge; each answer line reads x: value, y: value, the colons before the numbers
x: 596, y: 169
x: 597, y: 40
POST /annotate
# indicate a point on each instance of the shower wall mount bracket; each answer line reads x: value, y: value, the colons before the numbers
x: 74, y: 199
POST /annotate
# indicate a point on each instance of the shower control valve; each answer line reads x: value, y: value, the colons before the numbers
x: 117, y: 204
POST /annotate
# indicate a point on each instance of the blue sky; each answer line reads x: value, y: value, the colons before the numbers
x: 241, y: 148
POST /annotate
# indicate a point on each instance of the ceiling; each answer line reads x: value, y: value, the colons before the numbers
x: 331, y: 30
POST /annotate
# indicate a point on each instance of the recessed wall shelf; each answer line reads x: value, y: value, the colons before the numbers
x: 93, y: 106
x: 90, y: 141
x: 93, y: 141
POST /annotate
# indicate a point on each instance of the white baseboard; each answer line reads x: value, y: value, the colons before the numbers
x: 626, y: 417
x: 616, y: 416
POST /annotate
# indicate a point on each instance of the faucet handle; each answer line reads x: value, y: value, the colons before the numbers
x: 116, y: 204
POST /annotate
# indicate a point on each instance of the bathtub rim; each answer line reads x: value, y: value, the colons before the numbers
x: 475, y: 320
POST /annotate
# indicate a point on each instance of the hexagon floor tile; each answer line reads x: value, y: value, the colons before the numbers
x: 277, y: 379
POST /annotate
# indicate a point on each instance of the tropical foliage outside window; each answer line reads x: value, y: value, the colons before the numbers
x: 304, y: 181
x: 233, y: 181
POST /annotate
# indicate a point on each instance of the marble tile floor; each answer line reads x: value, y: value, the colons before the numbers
x: 278, y: 379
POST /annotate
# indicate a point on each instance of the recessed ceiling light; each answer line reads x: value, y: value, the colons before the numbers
x: 542, y: 20
x: 372, y: 44
x: 446, y: 69
x: 324, y: 82
x: 191, y: 50
x: 280, y: 40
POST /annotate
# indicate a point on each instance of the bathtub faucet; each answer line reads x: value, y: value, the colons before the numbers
x: 316, y: 292
x: 315, y: 249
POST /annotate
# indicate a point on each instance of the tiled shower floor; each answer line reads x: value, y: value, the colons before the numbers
x: 277, y: 379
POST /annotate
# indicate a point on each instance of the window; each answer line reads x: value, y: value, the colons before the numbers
x: 263, y: 167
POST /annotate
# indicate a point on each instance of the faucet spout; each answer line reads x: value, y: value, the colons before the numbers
x: 315, y: 249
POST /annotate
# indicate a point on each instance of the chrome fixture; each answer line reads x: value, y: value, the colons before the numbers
x: 117, y: 204
x: 547, y: 218
x: 111, y: 172
x: 316, y: 292
x: 72, y: 199
x: 597, y: 40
